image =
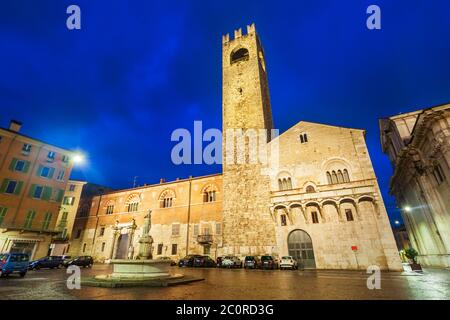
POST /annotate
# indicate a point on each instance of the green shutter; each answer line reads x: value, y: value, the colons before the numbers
x: 29, y: 221
x: 47, y: 219
x: 26, y: 166
x: 4, y: 185
x: 31, y: 192
x: 60, y: 195
x: 51, y: 173
x: 18, y: 187
x: 39, y: 170
x: 47, y: 193
x: 2, y: 214
x: 12, y: 165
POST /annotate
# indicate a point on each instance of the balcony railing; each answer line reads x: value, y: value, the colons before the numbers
x: 205, y: 239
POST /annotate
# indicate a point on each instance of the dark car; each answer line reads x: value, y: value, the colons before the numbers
x: 50, y: 262
x: 188, y: 261
x: 82, y: 261
x: 204, y: 261
x: 252, y: 262
x: 219, y: 262
x: 269, y: 262
x: 14, y: 263
x: 172, y: 262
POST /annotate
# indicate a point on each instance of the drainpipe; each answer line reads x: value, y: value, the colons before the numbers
x: 96, y: 225
x: 188, y: 216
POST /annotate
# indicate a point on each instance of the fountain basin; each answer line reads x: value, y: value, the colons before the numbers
x: 138, y: 270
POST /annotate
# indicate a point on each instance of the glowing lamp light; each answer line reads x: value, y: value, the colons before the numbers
x: 407, y: 209
x: 78, y: 159
x: 397, y: 222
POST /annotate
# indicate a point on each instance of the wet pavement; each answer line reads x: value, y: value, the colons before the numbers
x: 238, y: 284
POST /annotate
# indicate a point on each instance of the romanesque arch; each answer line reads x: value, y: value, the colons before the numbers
x: 300, y: 247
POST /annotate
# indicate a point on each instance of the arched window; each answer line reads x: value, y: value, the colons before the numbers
x: 280, y: 184
x: 340, y: 177
x: 346, y: 176
x: 166, y: 198
x: 239, y: 55
x: 289, y: 183
x: 132, y: 203
x: 334, y: 177
x: 209, y: 193
x: 329, y: 177
x: 310, y: 189
x: 303, y: 138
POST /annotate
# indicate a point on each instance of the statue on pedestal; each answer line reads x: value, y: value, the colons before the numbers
x: 146, y: 240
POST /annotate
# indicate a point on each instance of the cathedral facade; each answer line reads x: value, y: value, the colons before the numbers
x: 316, y: 197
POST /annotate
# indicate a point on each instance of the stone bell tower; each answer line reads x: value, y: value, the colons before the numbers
x: 247, y: 227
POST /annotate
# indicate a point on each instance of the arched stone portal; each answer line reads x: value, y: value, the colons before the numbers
x: 301, y: 248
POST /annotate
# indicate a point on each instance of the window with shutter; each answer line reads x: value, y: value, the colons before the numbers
x: 2, y: 214
x: 47, y: 220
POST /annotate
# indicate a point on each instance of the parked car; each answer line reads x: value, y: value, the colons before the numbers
x: 204, y: 261
x: 14, y: 263
x: 288, y: 262
x: 269, y: 262
x: 252, y: 262
x: 50, y: 262
x: 188, y: 261
x: 66, y: 258
x: 82, y: 261
x: 172, y: 262
x: 231, y: 262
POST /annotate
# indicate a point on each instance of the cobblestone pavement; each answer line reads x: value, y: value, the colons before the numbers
x: 238, y: 284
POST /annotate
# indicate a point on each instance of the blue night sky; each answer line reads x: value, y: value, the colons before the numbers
x: 137, y: 70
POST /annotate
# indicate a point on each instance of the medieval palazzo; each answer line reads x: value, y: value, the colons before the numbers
x: 319, y: 200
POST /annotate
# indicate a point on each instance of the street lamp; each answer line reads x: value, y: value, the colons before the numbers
x: 397, y: 222
x: 79, y: 159
x: 407, y: 208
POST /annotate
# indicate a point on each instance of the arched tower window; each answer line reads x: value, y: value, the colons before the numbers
x: 334, y: 177
x: 310, y: 189
x: 239, y: 55
x: 346, y: 176
x: 340, y: 176
x: 329, y: 177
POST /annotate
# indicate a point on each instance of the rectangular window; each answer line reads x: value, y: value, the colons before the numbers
x: 175, y: 229
x: 349, y: 214
x: 315, y: 217
x: 103, y: 246
x: 84, y: 247
x: 29, y: 219
x: 102, y: 231
x: 65, y: 159
x: 218, y: 228
x: 160, y: 248
x: 2, y: 214
x: 69, y: 201
x: 174, y: 249
x: 72, y: 187
x: 61, y: 175
x: 11, y: 187
x: 51, y: 156
x: 45, y: 172
x: 20, y: 166
x: 64, y: 216
x: 110, y: 209
x: 283, y: 220
x: 26, y: 148
x: 196, y: 229
x: 78, y: 235
x: 206, y: 250
x: 47, y: 220
x: 37, y: 194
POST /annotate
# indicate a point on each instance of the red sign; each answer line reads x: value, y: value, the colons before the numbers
x: 354, y: 248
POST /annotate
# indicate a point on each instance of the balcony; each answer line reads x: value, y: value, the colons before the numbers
x: 205, y: 239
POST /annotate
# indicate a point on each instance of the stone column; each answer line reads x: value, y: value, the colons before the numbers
x: 114, y: 246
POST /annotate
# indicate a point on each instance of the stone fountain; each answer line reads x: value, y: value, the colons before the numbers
x: 144, y: 271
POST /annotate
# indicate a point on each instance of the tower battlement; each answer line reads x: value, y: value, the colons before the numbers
x: 251, y: 29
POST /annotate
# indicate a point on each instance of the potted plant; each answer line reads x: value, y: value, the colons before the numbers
x: 412, y: 254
